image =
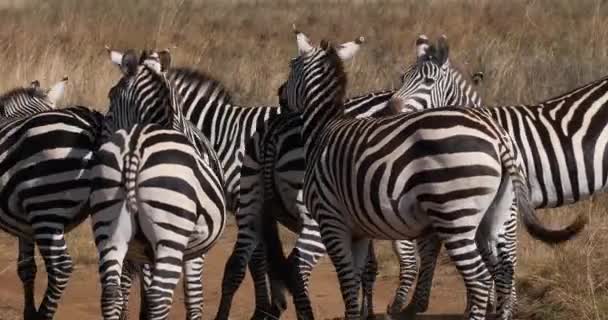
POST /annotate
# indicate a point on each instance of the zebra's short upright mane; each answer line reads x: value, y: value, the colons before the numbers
x: 189, y: 75
x: 29, y: 91
x: 336, y: 62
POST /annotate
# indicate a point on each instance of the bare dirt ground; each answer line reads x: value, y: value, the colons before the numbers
x: 81, y: 299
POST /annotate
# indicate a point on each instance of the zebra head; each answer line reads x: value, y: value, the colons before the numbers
x: 305, y: 71
x: 29, y: 100
x: 425, y: 84
x: 143, y: 94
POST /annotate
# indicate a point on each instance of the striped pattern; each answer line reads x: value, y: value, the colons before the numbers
x: 21, y: 102
x: 369, y: 178
x: 145, y: 95
x: 45, y: 162
x: 277, y: 159
x: 208, y: 105
x: 563, y: 145
x: 432, y: 82
x: 131, y: 219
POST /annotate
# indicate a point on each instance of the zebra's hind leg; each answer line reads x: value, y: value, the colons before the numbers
x: 26, y: 269
x: 234, y: 272
x: 126, y: 281
x: 166, y: 272
x: 193, y: 288
x: 367, y: 283
x: 507, y: 262
x: 59, y: 267
x: 428, y: 246
x: 405, y: 251
x: 112, y: 243
x: 145, y: 276
x: 465, y: 254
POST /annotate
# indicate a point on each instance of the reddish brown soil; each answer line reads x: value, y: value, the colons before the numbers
x: 81, y: 299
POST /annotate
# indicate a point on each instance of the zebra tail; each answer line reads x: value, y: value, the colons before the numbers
x: 278, y: 265
x: 527, y: 212
x: 129, y: 178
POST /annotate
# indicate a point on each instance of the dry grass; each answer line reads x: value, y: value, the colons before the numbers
x: 529, y: 50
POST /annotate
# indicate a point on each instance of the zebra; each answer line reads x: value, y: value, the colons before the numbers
x: 562, y: 141
x: 152, y: 148
x: 227, y: 126
x: 46, y: 156
x: 368, y: 178
x: 277, y: 159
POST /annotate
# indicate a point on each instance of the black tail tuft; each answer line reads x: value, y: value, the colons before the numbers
x: 278, y: 266
x: 535, y: 227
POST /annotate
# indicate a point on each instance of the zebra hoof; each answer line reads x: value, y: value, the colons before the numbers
x: 394, y: 312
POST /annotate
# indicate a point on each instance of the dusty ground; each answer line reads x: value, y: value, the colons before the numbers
x: 81, y: 299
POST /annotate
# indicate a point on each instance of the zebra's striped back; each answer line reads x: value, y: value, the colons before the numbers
x: 45, y: 159
x: 207, y: 104
x: 25, y: 101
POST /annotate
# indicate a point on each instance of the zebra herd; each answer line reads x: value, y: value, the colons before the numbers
x: 158, y: 172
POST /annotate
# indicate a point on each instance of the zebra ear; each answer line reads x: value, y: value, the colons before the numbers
x: 477, y: 77
x: 57, y: 91
x: 165, y: 60
x: 304, y: 46
x: 422, y: 46
x: 115, y: 56
x: 347, y: 50
x: 35, y: 84
x: 129, y: 63
x: 443, y: 49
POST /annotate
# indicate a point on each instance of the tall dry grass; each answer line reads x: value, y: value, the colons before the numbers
x: 529, y: 51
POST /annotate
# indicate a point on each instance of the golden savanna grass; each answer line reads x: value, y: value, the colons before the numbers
x: 528, y: 50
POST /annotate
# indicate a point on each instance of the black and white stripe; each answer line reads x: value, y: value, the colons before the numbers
x: 145, y: 96
x: 25, y: 101
x: 45, y: 162
x: 276, y: 158
x: 563, y: 144
x: 393, y: 178
x: 432, y: 82
x: 207, y: 104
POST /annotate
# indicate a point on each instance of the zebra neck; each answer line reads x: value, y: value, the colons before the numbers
x: 458, y: 92
x: 316, y: 118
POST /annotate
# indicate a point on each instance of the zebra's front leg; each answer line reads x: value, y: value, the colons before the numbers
x: 307, y: 251
x: 26, y: 269
x: 405, y: 250
x: 234, y: 272
x: 368, y: 280
x: 59, y: 267
x: 193, y: 288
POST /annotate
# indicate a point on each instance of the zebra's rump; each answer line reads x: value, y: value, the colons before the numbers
x: 44, y: 168
x: 382, y: 171
x: 154, y: 179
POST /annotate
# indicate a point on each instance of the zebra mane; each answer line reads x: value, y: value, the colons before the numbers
x: 189, y: 75
x: 21, y: 91
x: 336, y: 62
